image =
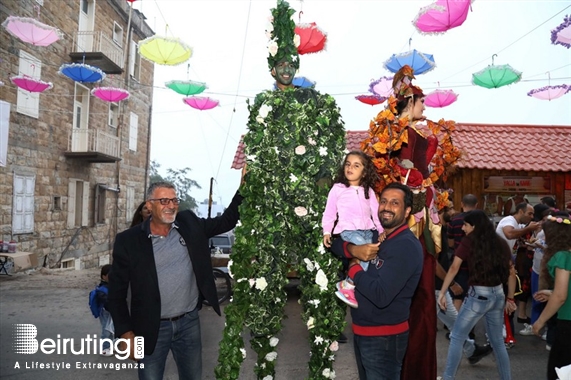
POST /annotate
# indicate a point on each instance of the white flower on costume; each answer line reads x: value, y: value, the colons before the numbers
x: 300, y: 150
x: 277, y: 150
x: 271, y: 356
x: 274, y: 341
x: 261, y: 283
x: 334, y: 346
x: 269, y: 377
x: 321, y: 280
x: 310, y: 323
x: 252, y: 157
x: 269, y: 27
x: 243, y: 351
x: 300, y: 211
x: 314, y: 302
x: 311, y: 141
x: 323, y: 151
x: 292, y: 178
x: 318, y: 340
x: 252, y: 282
x: 296, y: 40
x: 273, y: 48
x: 326, y: 373
x: 230, y: 262
x: 308, y: 264
x: 320, y: 249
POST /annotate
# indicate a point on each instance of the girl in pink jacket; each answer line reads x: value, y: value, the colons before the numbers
x: 352, y: 211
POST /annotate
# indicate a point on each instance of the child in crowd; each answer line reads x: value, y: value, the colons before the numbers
x: 352, y: 210
x: 107, y: 328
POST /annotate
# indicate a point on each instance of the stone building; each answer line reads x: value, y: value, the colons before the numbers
x: 73, y: 168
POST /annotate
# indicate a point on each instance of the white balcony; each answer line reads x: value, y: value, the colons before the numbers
x: 97, y: 49
x: 93, y: 146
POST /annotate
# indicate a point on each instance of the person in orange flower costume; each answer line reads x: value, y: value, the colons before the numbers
x: 407, y: 148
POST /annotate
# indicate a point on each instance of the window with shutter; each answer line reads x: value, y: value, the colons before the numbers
x: 28, y: 103
x: 23, y: 204
x: 134, y: 60
x: 133, y: 131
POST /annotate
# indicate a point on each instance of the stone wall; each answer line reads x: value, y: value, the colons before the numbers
x: 36, y: 146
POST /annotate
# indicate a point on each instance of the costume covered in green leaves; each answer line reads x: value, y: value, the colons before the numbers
x: 294, y: 145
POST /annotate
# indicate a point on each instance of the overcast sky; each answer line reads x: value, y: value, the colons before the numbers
x: 230, y: 56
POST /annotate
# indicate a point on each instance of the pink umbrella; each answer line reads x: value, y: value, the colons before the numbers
x: 30, y: 84
x: 312, y: 39
x: 562, y: 34
x: 382, y: 87
x: 440, y: 98
x: 200, y: 102
x: 110, y: 94
x: 549, y: 92
x: 441, y: 16
x: 31, y: 30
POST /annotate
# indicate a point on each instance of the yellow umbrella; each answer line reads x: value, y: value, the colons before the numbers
x: 164, y: 50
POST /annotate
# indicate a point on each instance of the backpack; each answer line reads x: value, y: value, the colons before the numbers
x: 95, y: 303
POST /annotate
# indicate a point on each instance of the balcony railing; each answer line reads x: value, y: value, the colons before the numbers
x: 90, y: 46
x: 93, y: 145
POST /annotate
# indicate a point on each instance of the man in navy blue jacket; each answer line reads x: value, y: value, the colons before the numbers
x: 166, y: 263
x: 384, y: 292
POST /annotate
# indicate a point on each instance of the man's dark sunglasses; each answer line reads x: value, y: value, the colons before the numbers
x: 166, y: 201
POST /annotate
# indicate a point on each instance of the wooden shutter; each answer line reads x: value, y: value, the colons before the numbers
x: 23, y: 204
x: 28, y: 103
x: 133, y: 131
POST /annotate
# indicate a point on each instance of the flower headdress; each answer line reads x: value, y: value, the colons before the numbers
x: 559, y: 219
x: 402, y: 84
x: 283, y: 42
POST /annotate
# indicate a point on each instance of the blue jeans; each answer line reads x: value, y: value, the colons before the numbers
x: 449, y: 317
x: 107, y: 328
x: 380, y: 357
x: 358, y: 237
x: 182, y: 337
x: 536, y: 306
x: 481, y: 301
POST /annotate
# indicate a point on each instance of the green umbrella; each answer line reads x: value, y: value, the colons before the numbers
x: 186, y: 87
x: 496, y: 76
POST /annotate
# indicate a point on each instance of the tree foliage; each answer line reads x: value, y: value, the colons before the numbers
x: 180, y: 179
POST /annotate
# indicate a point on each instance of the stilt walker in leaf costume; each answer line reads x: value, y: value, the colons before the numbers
x: 406, y: 149
x: 294, y: 144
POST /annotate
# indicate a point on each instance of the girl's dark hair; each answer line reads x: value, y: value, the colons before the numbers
x: 557, y: 238
x: 370, y: 175
x: 138, y: 217
x: 401, y: 105
x: 490, y: 259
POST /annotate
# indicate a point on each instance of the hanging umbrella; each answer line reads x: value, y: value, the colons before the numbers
x: 440, y: 98
x: 201, y: 103
x: 186, y: 87
x: 303, y: 82
x: 164, y: 50
x: 496, y: 76
x: 420, y: 62
x: 30, y: 84
x: 31, y: 30
x: 562, y: 34
x: 549, y: 92
x: 441, y: 16
x: 370, y: 99
x: 110, y: 94
x: 312, y: 39
x: 382, y: 87
x: 80, y: 72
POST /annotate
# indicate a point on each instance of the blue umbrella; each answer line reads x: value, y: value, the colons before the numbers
x: 302, y: 82
x: 80, y: 72
x: 420, y: 62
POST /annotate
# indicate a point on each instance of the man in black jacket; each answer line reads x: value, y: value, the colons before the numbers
x: 166, y: 262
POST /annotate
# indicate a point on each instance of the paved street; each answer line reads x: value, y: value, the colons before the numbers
x: 56, y: 303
